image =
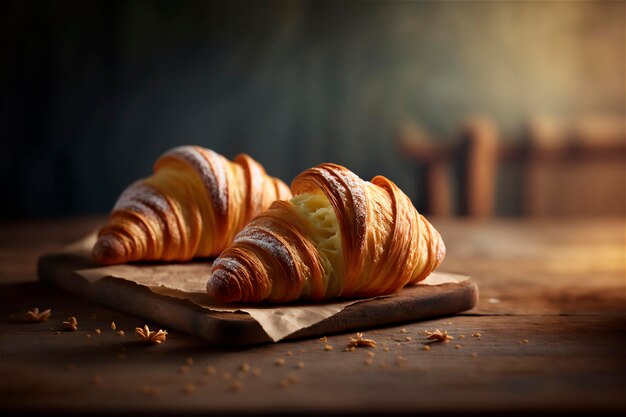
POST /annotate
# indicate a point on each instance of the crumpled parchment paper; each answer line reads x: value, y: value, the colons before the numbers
x: 188, y: 281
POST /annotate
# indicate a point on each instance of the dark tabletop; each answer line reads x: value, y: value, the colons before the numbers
x: 548, y: 334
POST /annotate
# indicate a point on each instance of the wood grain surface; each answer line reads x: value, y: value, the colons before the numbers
x: 551, y: 320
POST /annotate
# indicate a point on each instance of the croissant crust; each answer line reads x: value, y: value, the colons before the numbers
x: 373, y: 242
x: 192, y: 206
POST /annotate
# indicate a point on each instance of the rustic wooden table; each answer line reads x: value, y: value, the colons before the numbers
x: 551, y: 320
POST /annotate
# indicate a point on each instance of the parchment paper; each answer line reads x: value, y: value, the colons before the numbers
x: 188, y: 281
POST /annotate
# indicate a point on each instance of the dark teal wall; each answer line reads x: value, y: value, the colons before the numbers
x: 93, y: 92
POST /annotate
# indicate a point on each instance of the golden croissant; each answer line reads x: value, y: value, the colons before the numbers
x: 339, y: 236
x: 192, y: 206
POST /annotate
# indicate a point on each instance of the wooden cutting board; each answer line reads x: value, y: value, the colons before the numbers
x: 239, y: 329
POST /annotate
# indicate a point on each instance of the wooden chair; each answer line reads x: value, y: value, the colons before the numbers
x: 575, y: 169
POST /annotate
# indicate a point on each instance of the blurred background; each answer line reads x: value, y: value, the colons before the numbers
x: 473, y: 108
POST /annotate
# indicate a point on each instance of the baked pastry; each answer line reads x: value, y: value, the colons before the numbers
x: 339, y: 236
x: 192, y: 206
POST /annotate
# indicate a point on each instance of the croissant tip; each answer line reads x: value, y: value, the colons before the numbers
x: 221, y: 287
x: 109, y: 250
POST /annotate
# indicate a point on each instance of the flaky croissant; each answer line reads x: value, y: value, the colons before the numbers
x: 192, y: 206
x: 339, y: 236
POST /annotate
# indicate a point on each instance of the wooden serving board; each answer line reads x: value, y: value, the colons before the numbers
x: 240, y: 329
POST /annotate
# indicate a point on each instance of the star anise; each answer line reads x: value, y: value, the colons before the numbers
x: 148, y: 336
x: 70, y: 324
x: 438, y: 336
x: 358, y: 341
x: 36, y: 316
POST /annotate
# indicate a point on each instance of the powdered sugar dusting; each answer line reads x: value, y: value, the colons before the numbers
x: 211, y: 170
x: 264, y: 239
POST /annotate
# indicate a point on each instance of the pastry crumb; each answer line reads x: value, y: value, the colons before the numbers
x: 408, y: 338
x: 98, y: 331
x: 289, y: 353
x: 324, y: 339
x: 256, y: 371
x: 113, y: 326
x: 359, y: 341
x: 425, y: 347
x: 120, y: 332
x: 370, y: 354
x: 245, y: 368
x: 293, y: 379
x: 36, y: 316
x: 458, y: 346
x: 368, y: 361
x: 403, y: 330
x: 328, y: 348
x: 300, y: 365
x: 155, y: 338
x: 71, y: 324
x: 476, y: 334
x: 439, y: 336
x: 474, y: 355
x: 525, y: 341
x: 210, y: 370
x: 189, y: 388
x: 279, y: 362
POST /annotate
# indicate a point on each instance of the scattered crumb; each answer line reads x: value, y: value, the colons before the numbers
x: 236, y: 386
x: 113, y: 326
x: 279, y: 362
x: 96, y: 379
x: 57, y: 332
x: 425, y: 347
x: 476, y: 334
x: 70, y: 324
x: 226, y: 376
x: 256, y: 371
x: 328, y: 348
x: 449, y: 323
x: 462, y: 336
x: 408, y: 338
x: 324, y: 339
x: 150, y: 390
x: 398, y: 344
x: 458, y: 346
x: 120, y: 332
x: 439, y: 336
x: 156, y: 338
x: 245, y: 368
x: 369, y: 361
x: 525, y: 341
x: 386, y: 349
x: 210, y: 370
x: 384, y: 365
x: 98, y: 331
x: 289, y: 353
x: 284, y: 383
x: 302, y: 350
x: 300, y: 365
x: 88, y: 335
x: 400, y: 360
x: 293, y: 379
x: 370, y: 354
x: 350, y: 349
x: 184, y: 369
x: 36, y: 316
x: 493, y: 300
x: 189, y: 388
x: 402, y: 330
x: 474, y: 355
x: 358, y: 341
x: 189, y: 361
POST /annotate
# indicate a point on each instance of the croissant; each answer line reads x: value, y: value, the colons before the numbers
x: 339, y: 236
x: 192, y: 206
